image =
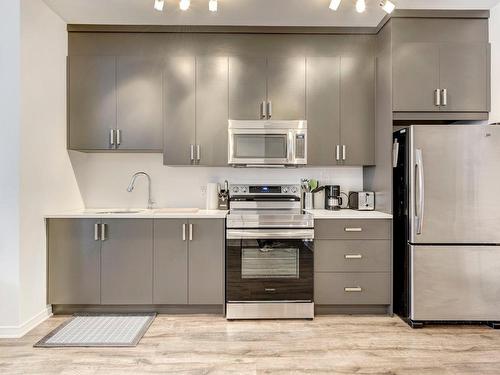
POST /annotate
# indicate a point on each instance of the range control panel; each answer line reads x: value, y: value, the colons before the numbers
x: 264, y: 190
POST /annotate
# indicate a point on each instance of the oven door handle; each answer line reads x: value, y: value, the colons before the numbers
x: 256, y: 234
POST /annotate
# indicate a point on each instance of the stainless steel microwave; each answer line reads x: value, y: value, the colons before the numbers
x: 267, y: 143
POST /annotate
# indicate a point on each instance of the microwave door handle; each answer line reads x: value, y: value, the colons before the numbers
x: 420, y: 199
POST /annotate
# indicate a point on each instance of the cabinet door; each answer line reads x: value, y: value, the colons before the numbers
x: 286, y: 88
x: 92, y: 102
x: 170, y: 262
x: 323, y: 110
x: 127, y: 262
x: 247, y: 87
x: 206, y: 262
x: 211, y: 110
x: 415, y: 76
x: 357, y: 110
x: 179, y: 104
x: 73, y: 262
x: 464, y: 74
x: 139, y: 103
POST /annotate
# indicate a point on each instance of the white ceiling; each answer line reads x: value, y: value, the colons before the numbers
x: 242, y: 12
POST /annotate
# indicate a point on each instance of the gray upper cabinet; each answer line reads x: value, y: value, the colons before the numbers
x: 211, y: 110
x: 73, y: 262
x: 323, y: 109
x: 286, y: 88
x: 91, y: 102
x: 180, y: 111
x: 139, y: 103
x: 357, y: 110
x: 464, y: 73
x: 206, y: 261
x: 127, y: 262
x: 247, y: 87
x: 416, y: 77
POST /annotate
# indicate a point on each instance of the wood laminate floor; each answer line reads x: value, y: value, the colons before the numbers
x: 327, y: 345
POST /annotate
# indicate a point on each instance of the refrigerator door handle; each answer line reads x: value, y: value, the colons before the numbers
x: 420, y: 199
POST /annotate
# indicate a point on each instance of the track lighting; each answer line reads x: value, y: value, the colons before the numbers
x: 334, y: 4
x: 360, y: 6
x: 184, y: 4
x: 159, y: 5
x: 212, y: 5
x: 388, y: 6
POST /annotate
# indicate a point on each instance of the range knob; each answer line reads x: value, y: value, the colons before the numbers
x: 285, y: 190
x: 235, y: 189
x: 243, y: 189
x: 294, y: 190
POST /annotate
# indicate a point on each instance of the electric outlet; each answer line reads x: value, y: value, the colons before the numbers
x: 203, y: 190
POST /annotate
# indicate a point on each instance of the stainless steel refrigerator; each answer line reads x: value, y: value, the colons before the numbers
x: 447, y: 223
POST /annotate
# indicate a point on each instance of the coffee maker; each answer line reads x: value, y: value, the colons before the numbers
x: 333, y: 200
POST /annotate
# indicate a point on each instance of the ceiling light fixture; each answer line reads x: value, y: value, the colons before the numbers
x: 388, y: 6
x: 212, y: 5
x: 184, y: 4
x: 159, y: 5
x: 334, y: 4
x: 360, y: 6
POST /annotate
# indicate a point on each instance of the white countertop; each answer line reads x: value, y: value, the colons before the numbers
x: 348, y: 214
x: 106, y: 213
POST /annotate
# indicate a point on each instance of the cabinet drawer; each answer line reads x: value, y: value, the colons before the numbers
x: 352, y: 288
x: 352, y: 255
x: 354, y: 229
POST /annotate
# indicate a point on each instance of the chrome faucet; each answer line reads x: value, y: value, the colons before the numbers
x: 132, y: 185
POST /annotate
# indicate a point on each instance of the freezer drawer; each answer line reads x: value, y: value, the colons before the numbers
x: 455, y: 283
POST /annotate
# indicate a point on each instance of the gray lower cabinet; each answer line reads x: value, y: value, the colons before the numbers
x: 127, y: 262
x: 74, y: 259
x: 352, y: 262
x: 91, y: 102
x: 189, y: 261
x: 323, y: 110
x: 170, y: 262
x: 139, y: 103
x: 206, y: 261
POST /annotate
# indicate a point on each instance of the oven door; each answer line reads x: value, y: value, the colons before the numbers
x: 260, y: 146
x: 270, y: 265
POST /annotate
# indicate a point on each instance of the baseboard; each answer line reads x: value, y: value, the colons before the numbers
x: 15, y: 332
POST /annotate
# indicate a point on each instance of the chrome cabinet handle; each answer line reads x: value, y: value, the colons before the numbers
x: 263, y: 110
x: 96, y: 231
x: 191, y: 152
x: 437, y: 97
x: 269, y: 109
x: 353, y: 256
x: 344, y: 153
x: 444, y: 97
x: 420, y: 202
x: 355, y: 289
x: 118, y: 137
x: 198, y: 152
x: 112, y: 137
x: 353, y: 229
x: 104, y: 228
x: 337, y: 153
x: 184, y: 232
x: 190, y: 232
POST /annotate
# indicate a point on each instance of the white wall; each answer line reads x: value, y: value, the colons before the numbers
x: 495, y: 64
x: 47, y: 179
x: 9, y: 157
x: 103, y: 179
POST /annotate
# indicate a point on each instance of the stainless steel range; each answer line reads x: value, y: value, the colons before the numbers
x: 269, y: 254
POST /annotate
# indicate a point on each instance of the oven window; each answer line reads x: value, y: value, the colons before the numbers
x: 260, y: 146
x: 269, y: 259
